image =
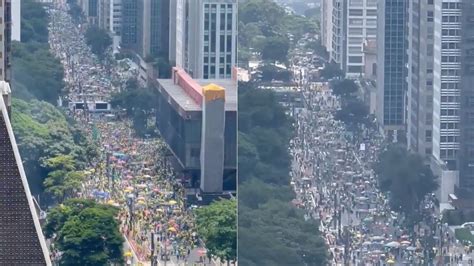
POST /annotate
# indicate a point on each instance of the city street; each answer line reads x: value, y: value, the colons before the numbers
x: 131, y: 173
x: 335, y: 183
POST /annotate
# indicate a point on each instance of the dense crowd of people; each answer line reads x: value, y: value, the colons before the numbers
x: 333, y: 176
x: 130, y: 173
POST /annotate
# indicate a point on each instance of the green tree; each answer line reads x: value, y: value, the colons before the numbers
x: 271, y: 72
x: 331, y: 70
x: 406, y: 177
x: 274, y: 229
x: 43, y: 132
x: 344, y: 88
x: 217, y: 225
x: 353, y: 112
x: 62, y: 180
x: 34, y: 69
x: 87, y: 233
x: 99, y: 40
x: 139, y: 103
x: 34, y: 22
x: 276, y: 49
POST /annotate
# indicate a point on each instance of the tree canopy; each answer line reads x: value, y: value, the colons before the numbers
x: 139, y: 103
x: 86, y: 232
x: 331, y: 70
x: 217, y: 225
x: 344, y: 88
x: 36, y: 72
x: 34, y: 22
x: 42, y: 133
x: 99, y: 40
x: 406, y: 177
x: 271, y: 230
x: 265, y: 28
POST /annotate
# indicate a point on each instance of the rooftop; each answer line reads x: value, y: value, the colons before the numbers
x: 186, y: 102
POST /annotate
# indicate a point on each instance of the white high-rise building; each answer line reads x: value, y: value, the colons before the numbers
x: 420, y: 77
x: 326, y: 24
x: 16, y: 20
x: 211, y: 36
x: 447, y: 94
x: 338, y: 32
x: 361, y: 25
x: 177, y: 33
x: 353, y: 22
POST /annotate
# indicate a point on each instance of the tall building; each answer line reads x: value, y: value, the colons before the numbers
x: 326, y: 24
x: 130, y: 23
x: 103, y: 14
x: 465, y: 189
x: 392, y: 71
x: 16, y: 18
x: 339, y: 12
x: 177, y: 33
x: 446, y: 94
x: 420, y: 78
x: 353, y: 22
x: 5, y: 39
x: 90, y: 8
x: 361, y: 24
x: 153, y: 28
x: 211, y: 36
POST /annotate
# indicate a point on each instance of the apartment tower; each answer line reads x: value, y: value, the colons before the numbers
x: 211, y: 36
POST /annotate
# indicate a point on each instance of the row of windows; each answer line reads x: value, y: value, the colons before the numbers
x: 450, y: 72
x: 450, y: 45
x: 449, y: 85
x: 449, y: 112
x: 448, y: 153
x: 449, y: 139
x: 450, y: 59
x: 451, y: 5
x: 451, y: 19
x: 360, y: 12
x: 450, y: 99
x: 451, y: 32
x: 450, y: 125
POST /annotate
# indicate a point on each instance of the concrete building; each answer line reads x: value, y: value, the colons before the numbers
x: 465, y: 188
x: 198, y: 120
x: 16, y: 20
x: 392, y: 68
x: 153, y: 28
x: 130, y: 22
x: 420, y: 77
x: 446, y: 95
x: 339, y: 13
x: 115, y: 23
x: 369, y: 49
x: 361, y: 25
x: 326, y: 24
x: 211, y: 36
x: 352, y: 23
x: 177, y: 37
x: 90, y: 8
x: 103, y: 14
x: 5, y: 39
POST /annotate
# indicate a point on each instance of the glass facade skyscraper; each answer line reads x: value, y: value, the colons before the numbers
x: 392, y: 66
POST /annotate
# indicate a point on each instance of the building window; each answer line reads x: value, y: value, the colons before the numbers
x: 428, y: 136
